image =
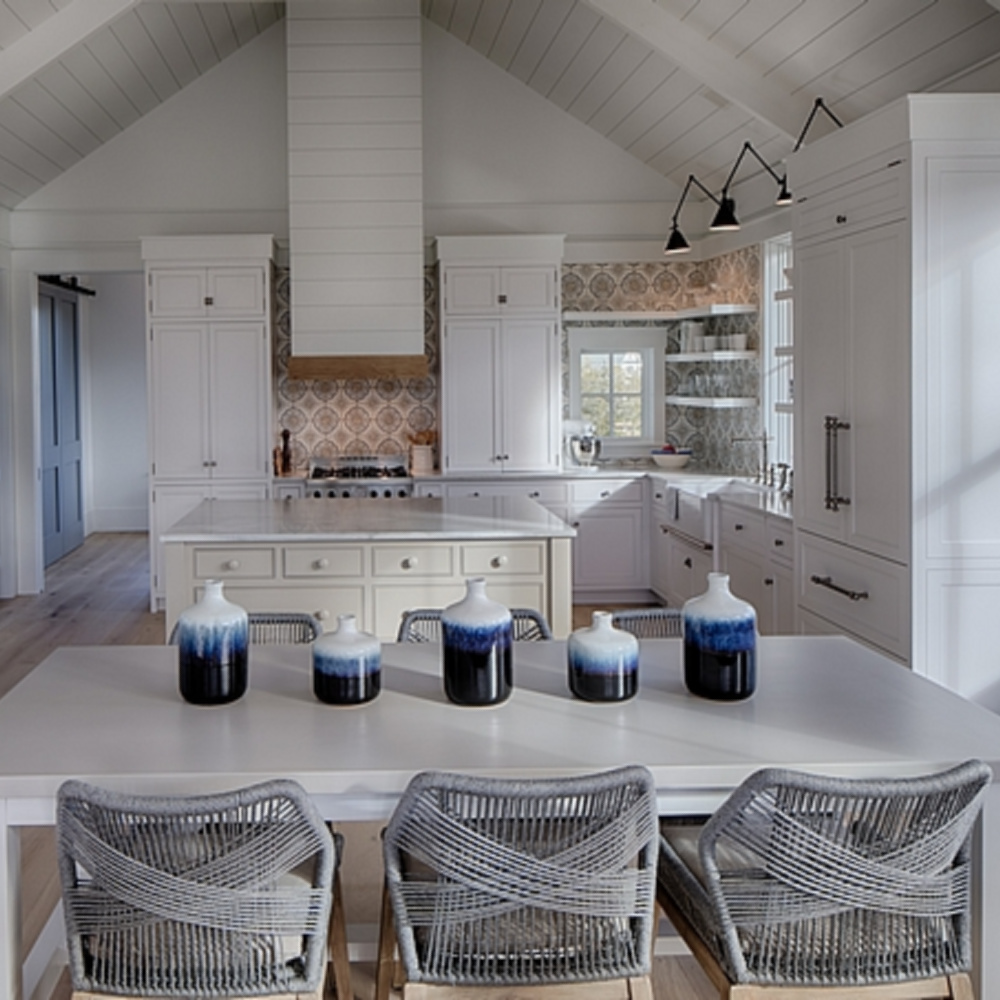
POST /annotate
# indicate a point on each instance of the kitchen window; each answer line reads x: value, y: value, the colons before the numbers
x: 616, y: 383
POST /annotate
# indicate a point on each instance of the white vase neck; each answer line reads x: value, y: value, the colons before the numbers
x: 718, y: 582
x: 347, y: 624
x: 601, y: 620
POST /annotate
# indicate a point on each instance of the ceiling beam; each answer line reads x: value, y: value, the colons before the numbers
x: 705, y: 61
x: 54, y: 37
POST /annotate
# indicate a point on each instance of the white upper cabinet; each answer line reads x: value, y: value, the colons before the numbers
x: 219, y: 292
x: 500, y: 385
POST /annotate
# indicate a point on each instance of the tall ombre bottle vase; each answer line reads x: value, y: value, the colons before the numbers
x: 720, y: 643
x: 603, y: 661
x: 476, y: 648
x: 212, y: 637
x: 347, y: 664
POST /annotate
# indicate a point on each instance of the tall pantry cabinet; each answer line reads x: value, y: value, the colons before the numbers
x: 208, y: 317
x: 897, y: 293
x: 500, y: 395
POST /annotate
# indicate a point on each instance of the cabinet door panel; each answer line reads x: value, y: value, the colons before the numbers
x: 236, y: 292
x: 877, y: 445
x: 746, y: 581
x: 529, y: 289
x: 179, y: 400
x: 608, y: 551
x: 820, y: 376
x: 468, y: 401
x: 471, y: 289
x: 168, y: 504
x: 177, y: 292
x: 529, y: 402
x: 238, y: 390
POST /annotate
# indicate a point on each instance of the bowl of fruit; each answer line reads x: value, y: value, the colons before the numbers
x: 669, y: 457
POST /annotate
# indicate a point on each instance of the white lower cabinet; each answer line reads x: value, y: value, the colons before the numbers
x: 688, y: 566
x: 755, y: 549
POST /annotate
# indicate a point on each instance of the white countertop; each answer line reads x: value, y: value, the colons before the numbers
x: 362, y: 519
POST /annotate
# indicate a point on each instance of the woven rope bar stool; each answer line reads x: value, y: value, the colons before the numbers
x: 276, y: 628
x: 541, y: 887
x: 226, y: 895
x: 649, y: 623
x: 424, y: 625
x: 829, y: 888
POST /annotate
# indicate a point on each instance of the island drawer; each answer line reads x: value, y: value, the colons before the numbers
x: 235, y: 563
x: 488, y: 559
x: 413, y: 560
x: 739, y: 526
x: 779, y: 539
x: 324, y: 561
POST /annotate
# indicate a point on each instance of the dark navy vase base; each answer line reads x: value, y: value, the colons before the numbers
x: 720, y: 676
x: 333, y: 689
x: 590, y: 686
x: 204, y: 681
x: 474, y: 678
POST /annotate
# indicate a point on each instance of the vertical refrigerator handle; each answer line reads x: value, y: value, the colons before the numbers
x: 832, y: 426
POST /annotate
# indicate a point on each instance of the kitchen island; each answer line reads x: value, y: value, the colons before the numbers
x: 371, y: 558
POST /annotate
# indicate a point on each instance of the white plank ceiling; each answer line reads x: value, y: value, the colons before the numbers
x: 679, y: 84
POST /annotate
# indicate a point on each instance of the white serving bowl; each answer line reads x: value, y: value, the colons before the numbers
x: 671, y: 460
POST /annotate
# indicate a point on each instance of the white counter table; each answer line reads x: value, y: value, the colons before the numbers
x: 371, y: 558
x: 112, y: 715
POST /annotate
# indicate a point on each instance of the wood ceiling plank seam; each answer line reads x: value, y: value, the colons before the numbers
x: 243, y: 22
x: 37, y: 134
x: 32, y: 12
x: 840, y: 41
x: 74, y: 93
x: 145, y: 53
x: 169, y: 42
x: 589, y: 62
x: 190, y: 26
x: 709, y: 17
x: 916, y: 39
x: 489, y: 20
x: 37, y: 101
x: 713, y: 140
x: 9, y: 198
x: 12, y: 28
x: 751, y: 23
x: 438, y: 11
x: 649, y: 75
x: 119, y: 65
x: 265, y: 15
x: 463, y: 19
x: 536, y: 43
x: 912, y: 75
x: 682, y: 91
x: 610, y: 77
x: 219, y: 28
x: 572, y: 38
x: 669, y: 99
x: 30, y: 156
x: 15, y: 178
x: 517, y: 23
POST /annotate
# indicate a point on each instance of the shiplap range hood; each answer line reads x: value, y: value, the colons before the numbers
x: 355, y: 178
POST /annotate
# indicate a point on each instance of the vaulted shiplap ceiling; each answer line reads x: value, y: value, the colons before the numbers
x: 679, y: 84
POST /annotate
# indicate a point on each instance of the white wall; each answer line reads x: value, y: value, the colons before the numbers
x: 115, y: 375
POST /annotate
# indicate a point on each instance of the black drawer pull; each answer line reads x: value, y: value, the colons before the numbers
x: 826, y: 581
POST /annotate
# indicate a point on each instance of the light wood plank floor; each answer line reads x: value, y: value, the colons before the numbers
x: 98, y: 595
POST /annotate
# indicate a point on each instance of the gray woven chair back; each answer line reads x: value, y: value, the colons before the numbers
x: 424, y: 625
x: 209, y: 896
x: 276, y: 628
x: 508, y: 882
x: 649, y: 623
x: 824, y: 881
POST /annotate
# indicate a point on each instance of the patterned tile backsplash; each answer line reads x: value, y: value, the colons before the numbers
x: 328, y: 418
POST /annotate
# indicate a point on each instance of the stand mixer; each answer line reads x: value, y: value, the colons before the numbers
x: 583, y: 446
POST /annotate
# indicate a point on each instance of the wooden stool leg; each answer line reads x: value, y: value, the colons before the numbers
x: 385, y: 962
x: 961, y: 987
x: 338, y: 945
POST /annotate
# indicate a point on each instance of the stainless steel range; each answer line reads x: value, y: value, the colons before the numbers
x: 373, y: 476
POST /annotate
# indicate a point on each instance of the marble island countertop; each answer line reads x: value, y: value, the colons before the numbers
x: 362, y: 519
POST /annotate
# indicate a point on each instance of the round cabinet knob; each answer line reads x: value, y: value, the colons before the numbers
x: 688, y: 562
x: 841, y: 219
x: 778, y: 542
x: 498, y: 562
x: 474, y: 493
x: 605, y: 493
x: 768, y: 581
x: 322, y: 614
x: 574, y: 524
x: 233, y: 564
x: 737, y: 527
x: 534, y: 494
x: 322, y: 563
x: 410, y: 562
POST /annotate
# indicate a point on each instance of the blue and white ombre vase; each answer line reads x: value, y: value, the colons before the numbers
x: 347, y: 664
x: 212, y: 637
x: 720, y: 643
x: 603, y: 661
x: 476, y: 648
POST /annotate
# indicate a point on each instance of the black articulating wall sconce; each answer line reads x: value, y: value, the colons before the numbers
x: 725, y: 219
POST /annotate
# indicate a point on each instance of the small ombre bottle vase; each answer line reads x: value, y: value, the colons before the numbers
x: 347, y: 664
x: 212, y: 638
x: 603, y: 661
x: 476, y: 648
x: 720, y: 643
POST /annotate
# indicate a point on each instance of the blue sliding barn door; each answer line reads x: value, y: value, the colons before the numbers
x: 62, y: 452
